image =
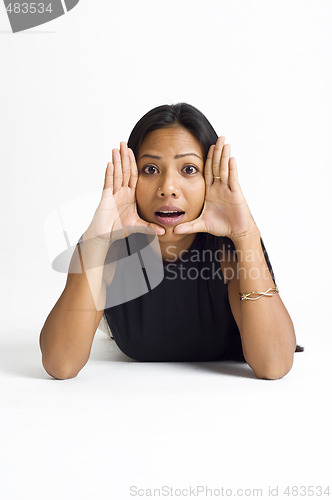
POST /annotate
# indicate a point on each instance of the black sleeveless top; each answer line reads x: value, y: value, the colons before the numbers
x: 187, y: 317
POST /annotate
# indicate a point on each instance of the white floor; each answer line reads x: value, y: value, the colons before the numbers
x: 70, y: 91
x: 121, y: 428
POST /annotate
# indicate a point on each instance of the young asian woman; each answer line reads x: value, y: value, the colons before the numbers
x: 175, y: 177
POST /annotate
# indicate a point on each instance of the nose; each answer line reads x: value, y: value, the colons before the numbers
x: 169, y: 187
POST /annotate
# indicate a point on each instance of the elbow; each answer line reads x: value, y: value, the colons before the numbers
x: 274, y: 361
x: 272, y: 365
x: 273, y: 371
x: 59, y: 371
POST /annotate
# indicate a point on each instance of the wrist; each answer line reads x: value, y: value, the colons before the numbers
x: 102, y: 241
x: 93, y: 251
x: 248, y: 238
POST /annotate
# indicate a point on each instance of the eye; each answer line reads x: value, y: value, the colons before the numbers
x: 149, y: 169
x: 190, y: 169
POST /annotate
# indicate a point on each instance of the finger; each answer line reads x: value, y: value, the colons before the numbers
x: 195, y: 226
x: 226, y: 152
x: 117, y: 173
x: 233, y: 180
x: 125, y: 163
x: 158, y: 229
x: 217, y: 155
x: 108, y: 182
x: 145, y: 227
x: 133, y: 170
x: 208, y: 167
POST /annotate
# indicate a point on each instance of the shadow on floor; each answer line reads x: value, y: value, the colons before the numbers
x: 22, y: 358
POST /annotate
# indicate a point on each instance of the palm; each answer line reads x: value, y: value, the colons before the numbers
x: 225, y: 211
x: 115, y: 210
x: 128, y: 218
x: 116, y: 213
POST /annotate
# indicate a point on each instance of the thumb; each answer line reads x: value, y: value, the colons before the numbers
x: 154, y: 228
x: 158, y: 229
x: 195, y: 226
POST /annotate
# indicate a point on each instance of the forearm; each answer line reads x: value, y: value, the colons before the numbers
x: 266, y: 329
x: 67, y: 335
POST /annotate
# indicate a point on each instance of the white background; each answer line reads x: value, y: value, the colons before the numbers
x: 71, y: 90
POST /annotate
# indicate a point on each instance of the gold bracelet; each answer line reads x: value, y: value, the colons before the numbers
x: 245, y: 296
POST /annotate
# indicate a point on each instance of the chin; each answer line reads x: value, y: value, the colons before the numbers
x: 170, y: 235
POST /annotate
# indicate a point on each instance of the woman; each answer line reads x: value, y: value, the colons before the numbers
x: 175, y: 178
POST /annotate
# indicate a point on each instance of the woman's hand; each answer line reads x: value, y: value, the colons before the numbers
x: 116, y: 215
x: 225, y: 211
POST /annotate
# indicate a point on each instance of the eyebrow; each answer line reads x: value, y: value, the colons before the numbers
x: 155, y: 157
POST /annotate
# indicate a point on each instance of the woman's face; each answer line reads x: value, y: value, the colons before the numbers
x: 170, y: 179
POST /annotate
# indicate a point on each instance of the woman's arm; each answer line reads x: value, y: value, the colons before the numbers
x: 67, y: 335
x: 266, y: 329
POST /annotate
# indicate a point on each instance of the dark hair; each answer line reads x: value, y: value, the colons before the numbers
x: 170, y: 115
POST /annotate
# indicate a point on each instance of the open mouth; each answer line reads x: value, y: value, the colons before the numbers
x: 169, y: 217
x: 173, y: 213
